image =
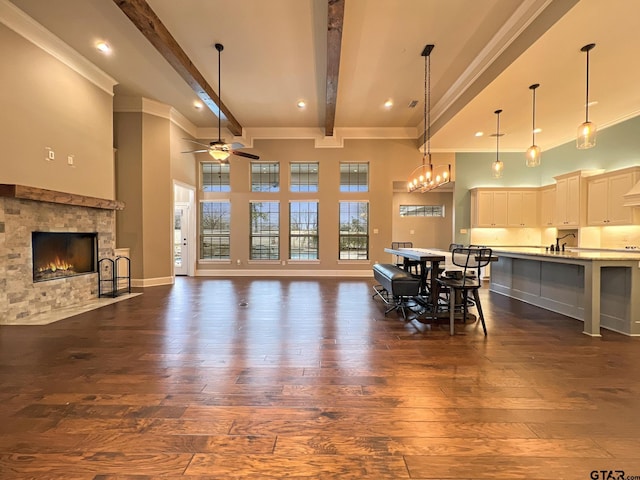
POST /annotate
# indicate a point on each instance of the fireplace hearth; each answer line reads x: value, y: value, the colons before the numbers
x: 63, y: 254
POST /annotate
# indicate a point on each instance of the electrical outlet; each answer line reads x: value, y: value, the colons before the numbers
x: 50, y: 154
x: 70, y: 159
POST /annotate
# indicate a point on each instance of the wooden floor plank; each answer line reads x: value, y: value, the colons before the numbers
x: 183, y: 382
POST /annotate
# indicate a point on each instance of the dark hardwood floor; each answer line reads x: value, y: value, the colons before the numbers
x: 271, y: 379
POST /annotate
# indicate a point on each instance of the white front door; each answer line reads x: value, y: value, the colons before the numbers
x: 180, y: 239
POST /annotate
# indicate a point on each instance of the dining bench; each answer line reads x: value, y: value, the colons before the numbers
x: 396, y: 287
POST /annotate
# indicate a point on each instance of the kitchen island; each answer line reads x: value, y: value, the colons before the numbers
x: 599, y: 287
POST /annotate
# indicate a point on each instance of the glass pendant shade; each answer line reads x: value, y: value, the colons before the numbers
x: 586, y: 135
x: 533, y: 156
x: 497, y: 169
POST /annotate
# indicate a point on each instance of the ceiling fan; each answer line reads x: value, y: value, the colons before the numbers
x: 220, y: 150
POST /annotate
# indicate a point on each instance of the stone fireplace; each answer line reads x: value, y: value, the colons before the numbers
x: 25, y: 210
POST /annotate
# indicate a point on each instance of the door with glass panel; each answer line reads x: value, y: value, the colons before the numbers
x: 180, y: 239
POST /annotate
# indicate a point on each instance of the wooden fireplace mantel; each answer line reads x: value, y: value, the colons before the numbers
x: 42, y: 195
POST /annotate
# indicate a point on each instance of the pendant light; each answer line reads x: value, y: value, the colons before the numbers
x: 498, y: 165
x: 533, y: 152
x: 427, y: 176
x: 587, y: 130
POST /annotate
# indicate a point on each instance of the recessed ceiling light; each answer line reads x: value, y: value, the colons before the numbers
x: 197, y: 105
x: 479, y: 134
x: 388, y: 104
x: 103, y: 47
x: 537, y: 130
x: 301, y: 104
x: 592, y: 103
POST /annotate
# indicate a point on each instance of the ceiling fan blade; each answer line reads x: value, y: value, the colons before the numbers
x: 245, y: 154
x: 196, y: 151
x: 197, y: 143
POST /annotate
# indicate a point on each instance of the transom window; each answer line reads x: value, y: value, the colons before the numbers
x: 265, y: 230
x: 215, y: 223
x: 422, y: 210
x: 215, y: 177
x: 354, y: 231
x: 304, y: 177
x: 303, y: 230
x: 354, y: 177
x: 265, y: 177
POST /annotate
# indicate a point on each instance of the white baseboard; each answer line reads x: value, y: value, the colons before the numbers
x: 285, y: 273
x: 151, y: 282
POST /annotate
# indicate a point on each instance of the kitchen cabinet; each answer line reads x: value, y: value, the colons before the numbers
x: 547, y: 206
x: 488, y: 207
x: 571, y: 198
x: 605, y: 198
x: 522, y: 208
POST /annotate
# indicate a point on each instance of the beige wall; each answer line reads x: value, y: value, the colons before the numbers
x: 423, y: 231
x: 46, y: 104
x: 144, y: 183
x: 389, y: 161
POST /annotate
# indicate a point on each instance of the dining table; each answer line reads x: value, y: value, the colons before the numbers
x: 429, y: 260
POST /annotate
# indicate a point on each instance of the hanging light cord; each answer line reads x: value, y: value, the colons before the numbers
x: 533, y: 121
x: 219, y: 47
x: 427, y: 111
x: 586, y: 103
x: 498, y: 135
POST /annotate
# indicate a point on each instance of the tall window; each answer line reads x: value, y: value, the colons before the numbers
x: 215, y: 177
x: 354, y: 177
x: 354, y: 230
x: 265, y: 177
x: 304, y: 177
x: 215, y: 238
x: 265, y: 230
x: 303, y: 230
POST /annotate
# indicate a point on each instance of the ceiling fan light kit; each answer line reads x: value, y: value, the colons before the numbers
x: 427, y: 177
x: 219, y: 150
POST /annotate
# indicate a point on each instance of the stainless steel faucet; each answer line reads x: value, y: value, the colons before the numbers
x: 560, y: 238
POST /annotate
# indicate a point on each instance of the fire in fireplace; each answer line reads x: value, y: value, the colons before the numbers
x: 63, y: 254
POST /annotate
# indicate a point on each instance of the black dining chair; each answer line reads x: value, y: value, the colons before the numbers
x: 412, y: 266
x: 466, y: 279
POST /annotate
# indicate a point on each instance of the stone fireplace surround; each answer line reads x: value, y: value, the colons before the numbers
x: 27, y: 209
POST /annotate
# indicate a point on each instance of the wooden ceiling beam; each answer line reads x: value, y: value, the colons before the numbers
x: 334, y: 44
x: 150, y: 25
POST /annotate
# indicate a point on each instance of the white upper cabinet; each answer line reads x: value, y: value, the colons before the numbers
x: 522, y: 208
x: 571, y: 198
x: 488, y: 208
x: 547, y: 206
x: 605, y: 205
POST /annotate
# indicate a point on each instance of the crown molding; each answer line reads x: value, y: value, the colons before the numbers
x: 25, y: 26
x: 183, y: 122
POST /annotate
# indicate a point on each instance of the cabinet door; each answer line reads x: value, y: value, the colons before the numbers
x: 530, y: 209
x: 597, y: 201
x: 547, y: 207
x: 500, y: 203
x: 573, y: 201
x: 514, y: 209
x: 484, y: 209
x: 561, y: 202
x: 617, y: 213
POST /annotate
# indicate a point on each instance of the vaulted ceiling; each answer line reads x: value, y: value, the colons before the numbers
x: 346, y: 58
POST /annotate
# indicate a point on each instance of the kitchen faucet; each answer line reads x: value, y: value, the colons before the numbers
x: 560, y: 238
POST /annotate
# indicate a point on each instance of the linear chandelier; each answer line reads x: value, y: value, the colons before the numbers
x: 427, y: 176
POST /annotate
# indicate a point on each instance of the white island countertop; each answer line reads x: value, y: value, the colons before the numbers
x: 571, y: 253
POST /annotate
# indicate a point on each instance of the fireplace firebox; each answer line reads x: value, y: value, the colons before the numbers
x: 63, y: 254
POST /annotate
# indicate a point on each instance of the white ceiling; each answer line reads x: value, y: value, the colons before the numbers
x: 487, y: 53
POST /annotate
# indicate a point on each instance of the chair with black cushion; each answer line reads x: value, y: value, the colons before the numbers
x: 459, y: 283
x: 412, y: 266
x: 455, y: 245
